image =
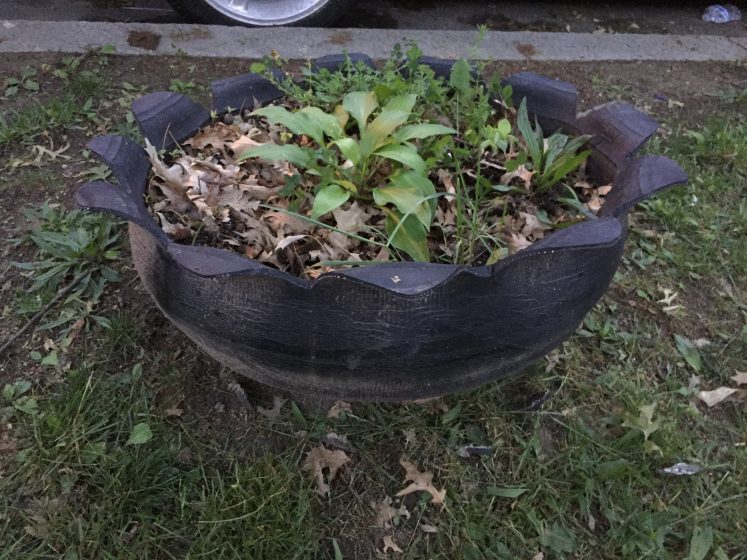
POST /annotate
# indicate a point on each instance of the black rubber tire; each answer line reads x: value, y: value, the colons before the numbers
x: 199, y: 11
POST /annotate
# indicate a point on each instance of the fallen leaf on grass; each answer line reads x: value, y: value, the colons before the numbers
x: 141, y: 433
x: 174, y: 411
x: 553, y: 359
x: 712, y: 398
x: 389, y: 544
x: 319, y: 459
x: 420, y: 481
x: 517, y: 242
x: 410, y: 436
x: 340, y: 442
x: 521, y: 173
x: 338, y: 408
x: 385, y: 513
x: 274, y: 412
x: 740, y: 378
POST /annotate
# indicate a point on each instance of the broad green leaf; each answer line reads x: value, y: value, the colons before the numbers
x: 377, y: 133
x: 409, y: 237
x: 505, y: 492
x: 141, y: 433
x: 51, y: 359
x: 298, y: 123
x: 419, y: 182
x: 27, y: 405
x: 644, y: 422
x: 327, y: 199
x: 8, y: 392
x: 461, y: 76
x: 403, y: 103
x: 284, y: 152
x: 404, y: 154
x: 360, y: 104
x: 689, y: 352
x: 342, y: 116
x: 350, y: 149
x: 329, y: 123
x: 21, y: 387
x: 420, y: 131
x: 407, y: 200
x: 700, y: 543
x: 558, y: 539
x: 504, y: 127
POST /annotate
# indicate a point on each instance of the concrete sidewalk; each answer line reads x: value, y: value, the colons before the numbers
x: 224, y: 42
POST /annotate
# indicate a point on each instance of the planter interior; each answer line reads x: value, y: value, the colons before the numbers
x: 394, y: 331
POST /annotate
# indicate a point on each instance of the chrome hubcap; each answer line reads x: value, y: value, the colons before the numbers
x: 268, y: 12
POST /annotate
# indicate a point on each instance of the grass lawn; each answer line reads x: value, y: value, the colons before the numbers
x: 118, y: 439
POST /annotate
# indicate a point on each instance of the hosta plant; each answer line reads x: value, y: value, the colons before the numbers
x: 350, y: 165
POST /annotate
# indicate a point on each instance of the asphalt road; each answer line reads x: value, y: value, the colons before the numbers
x: 622, y: 16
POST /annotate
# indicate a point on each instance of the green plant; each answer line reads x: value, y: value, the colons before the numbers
x: 436, y: 167
x: 550, y: 160
x: 27, y: 80
x: 180, y: 86
x: 350, y: 166
x: 72, y: 247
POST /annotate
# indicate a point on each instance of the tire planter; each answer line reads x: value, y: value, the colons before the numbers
x: 394, y: 331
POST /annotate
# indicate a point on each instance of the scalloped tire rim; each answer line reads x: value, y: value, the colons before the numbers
x: 357, y: 335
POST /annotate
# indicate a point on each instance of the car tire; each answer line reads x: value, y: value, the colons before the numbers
x: 220, y: 12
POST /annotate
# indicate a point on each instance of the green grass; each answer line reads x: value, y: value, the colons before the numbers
x: 80, y: 490
x: 578, y: 478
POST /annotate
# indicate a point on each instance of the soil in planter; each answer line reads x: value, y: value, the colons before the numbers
x: 204, y: 193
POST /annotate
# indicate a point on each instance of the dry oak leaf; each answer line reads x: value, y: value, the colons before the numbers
x: 338, y: 408
x: 517, y: 242
x: 351, y: 220
x: 389, y: 544
x: 522, y: 173
x: 420, y: 481
x: 385, y: 512
x: 274, y: 412
x: 215, y: 136
x: 740, y: 378
x: 319, y: 459
x: 712, y: 398
x: 533, y: 226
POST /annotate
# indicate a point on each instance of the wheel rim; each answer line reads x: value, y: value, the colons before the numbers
x: 268, y: 12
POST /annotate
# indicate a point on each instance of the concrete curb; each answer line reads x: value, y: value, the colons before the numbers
x: 229, y: 42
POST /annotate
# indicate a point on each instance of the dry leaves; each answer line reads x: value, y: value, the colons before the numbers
x: 420, y: 482
x: 712, y: 398
x: 389, y: 544
x: 740, y: 378
x: 321, y: 459
x: 274, y: 412
x: 385, y: 513
x: 257, y: 207
x: 338, y: 408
